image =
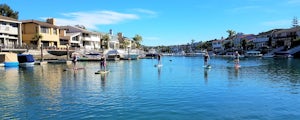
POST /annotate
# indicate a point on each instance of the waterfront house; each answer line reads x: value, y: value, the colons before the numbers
x: 37, y: 33
x: 238, y: 39
x: 10, y: 32
x: 71, y: 39
x: 113, y: 42
x: 285, y: 37
x: 82, y: 38
x: 218, y: 46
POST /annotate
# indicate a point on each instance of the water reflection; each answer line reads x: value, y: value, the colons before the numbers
x: 159, y: 72
x: 206, y: 75
x: 236, y: 71
x: 49, y: 91
x: 103, y: 80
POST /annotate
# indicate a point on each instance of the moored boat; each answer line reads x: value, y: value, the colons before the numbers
x: 26, y: 60
x: 9, y: 59
x: 130, y: 56
x: 253, y: 54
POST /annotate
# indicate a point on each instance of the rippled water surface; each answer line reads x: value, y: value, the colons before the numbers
x: 181, y: 89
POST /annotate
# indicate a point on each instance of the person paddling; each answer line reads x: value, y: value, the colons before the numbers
x: 159, y: 59
x: 206, y: 58
x: 103, y: 63
x: 237, y: 58
x: 74, y: 60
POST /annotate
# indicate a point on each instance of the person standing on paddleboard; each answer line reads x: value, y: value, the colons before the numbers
x: 102, y: 63
x: 159, y: 59
x: 74, y: 60
x: 237, y: 58
x: 206, y: 58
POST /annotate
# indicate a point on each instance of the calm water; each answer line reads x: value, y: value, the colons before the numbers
x: 181, y: 89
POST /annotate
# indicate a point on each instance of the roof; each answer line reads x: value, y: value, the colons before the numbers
x: 77, y: 28
x: 39, y: 23
x: 73, y: 34
x: 9, y: 19
x: 294, y: 29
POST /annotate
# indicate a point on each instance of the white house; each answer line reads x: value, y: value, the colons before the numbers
x: 114, y: 41
x: 260, y: 42
x: 217, y: 45
x: 85, y: 39
x: 10, y: 32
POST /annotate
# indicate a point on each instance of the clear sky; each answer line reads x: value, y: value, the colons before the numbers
x: 164, y: 22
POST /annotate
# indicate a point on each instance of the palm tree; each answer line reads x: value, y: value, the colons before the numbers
x: 37, y: 37
x: 126, y: 43
x: 137, y: 39
x: 230, y: 33
x: 104, y: 41
x: 244, y: 43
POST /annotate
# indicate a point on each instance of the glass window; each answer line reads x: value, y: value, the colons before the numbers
x: 55, y: 31
x: 44, y: 30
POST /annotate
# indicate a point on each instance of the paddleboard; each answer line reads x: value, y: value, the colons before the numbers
x: 102, y: 72
x: 207, y: 66
x: 73, y: 69
x: 237, y: 66
x: 158, y: 65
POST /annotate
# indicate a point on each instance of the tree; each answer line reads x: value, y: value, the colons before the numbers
x: 227, y: 45
x: 295, y: 22
x: 137, y: 39
x: 126, y: 43
x: 104, y: 41
x: 6, y: 11
x: 244, y: 43
x: 230, y: 33
x: 192, y: 44
x: 37, y: 37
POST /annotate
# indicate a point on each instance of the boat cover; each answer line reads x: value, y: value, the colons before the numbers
x: 22, y: 58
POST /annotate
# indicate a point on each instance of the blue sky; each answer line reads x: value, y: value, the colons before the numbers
x: 164, y: 22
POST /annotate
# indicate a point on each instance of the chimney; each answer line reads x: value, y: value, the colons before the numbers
x: 62, y: 32
x: 110, y: 31
x: 51, y: 21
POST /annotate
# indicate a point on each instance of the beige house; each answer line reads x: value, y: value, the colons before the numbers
x: 48, y: 32
x: 10, y: 32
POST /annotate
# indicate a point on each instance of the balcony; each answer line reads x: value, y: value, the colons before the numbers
x: 8, y: 29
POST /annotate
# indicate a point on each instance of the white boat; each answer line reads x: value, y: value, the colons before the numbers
x: 113, y: 55
x: 268, y: 56
x: 253, y: 54
x: 26, y: 60
x: 130, y: 56
x: 194, y: 54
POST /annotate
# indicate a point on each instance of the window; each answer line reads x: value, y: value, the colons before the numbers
x: 14, y: 24
x: 44, y: 30
x: 55, y: 31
